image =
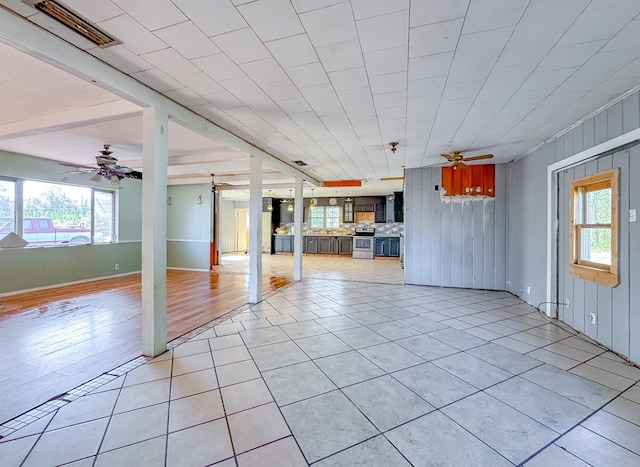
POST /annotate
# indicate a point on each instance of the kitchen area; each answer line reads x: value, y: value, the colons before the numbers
x: 365, y: 227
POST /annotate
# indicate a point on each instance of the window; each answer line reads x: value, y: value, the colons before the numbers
x: 54, y: 214
x: 594, y: 228
x: 325, y: 217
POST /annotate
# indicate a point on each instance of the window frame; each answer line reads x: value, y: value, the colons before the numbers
x: 324, y: 217
x: 604, y: 274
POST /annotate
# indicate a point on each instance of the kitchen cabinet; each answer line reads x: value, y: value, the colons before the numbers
x: 310, y: 244
x: 398, y: 206
x: 345, y: 245
x: 347, y: 211
x: 379, y: 210
x: 387, y: 247
x: 283, y: 243
x: 325, y: 245
x: 286, y: 216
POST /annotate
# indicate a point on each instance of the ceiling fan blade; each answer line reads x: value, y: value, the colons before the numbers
x: 477, y: 158
x: 77, y: 166
x: 449, y: 157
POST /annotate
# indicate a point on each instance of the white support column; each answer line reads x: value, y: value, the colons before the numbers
x: 154, y: 231
x: 255, y: 230
x: 297, y: 238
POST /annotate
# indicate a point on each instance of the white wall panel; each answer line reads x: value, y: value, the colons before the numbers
x: 453, y: 244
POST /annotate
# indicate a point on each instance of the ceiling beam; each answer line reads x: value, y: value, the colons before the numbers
x: 56, y: 121
x: 18, y: 32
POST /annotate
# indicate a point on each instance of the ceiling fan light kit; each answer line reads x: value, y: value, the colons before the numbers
x: 457, y: 159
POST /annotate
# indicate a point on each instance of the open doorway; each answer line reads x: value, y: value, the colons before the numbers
x: 242, y: 230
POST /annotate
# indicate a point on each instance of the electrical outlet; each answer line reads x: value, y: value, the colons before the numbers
x: 117, y: 267
x: 632, y: 215
x: 529, y: 290
x: 593, y: 318
x: 568, y: 303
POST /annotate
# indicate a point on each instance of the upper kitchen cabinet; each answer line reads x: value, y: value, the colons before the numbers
x: 286, y: 216
x: 348, y: 211
x: 370, y: 209
x: 398, y: 206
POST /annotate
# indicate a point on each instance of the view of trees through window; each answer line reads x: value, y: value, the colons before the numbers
x: 57, y: 214
x: 596, y: 236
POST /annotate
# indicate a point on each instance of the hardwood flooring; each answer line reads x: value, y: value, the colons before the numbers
x: 56, y: 339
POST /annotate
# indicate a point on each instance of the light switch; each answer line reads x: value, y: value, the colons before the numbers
x: 632, y: 215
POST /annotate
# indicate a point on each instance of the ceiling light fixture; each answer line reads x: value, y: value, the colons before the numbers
x: 97, y: 177
x: 290, y: 208
x: 115, y: 180
x: 313, y: 203
x: 270, y: 205
x: 393, y: 146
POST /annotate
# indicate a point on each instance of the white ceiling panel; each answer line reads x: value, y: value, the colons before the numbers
x: 342, y: 56
x: 242, y: 46
x: 570, y: 55
x: 349, y: 79
x: 187, y: 96
x: 610, y: 61
x: 95, y: 11
x: 625, y: 39
x: 527, y: 51
x: 434, y: 38
x: 132, y: 34
x: 212, y: 18
x: 272, y: 19
x: 600, y: 24
x: 369, y: 8
x: 218, y: 66
x: 200, y: 83
x: 556, y: 17
x: 383, y: 32
x: 547, y: 79
x: 121, y: 58
x: 282, y: 90
x: 430, y: 66
x: 157, y: 79
x: 307, y: 5
x: 389, y: 83
x: 330, y: 25
x: 171, y: 62
x: 632, y: 70
x: 164, y: 13
x: 482, y: 16
x: 265, y: 71
x: 311, y: 74
x: 187, y: 40
x: 386, y: 61
x: 293, y: 51
x: 437, y: 11
x: 390, y: 99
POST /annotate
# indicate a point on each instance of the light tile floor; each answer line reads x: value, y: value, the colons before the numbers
x: 335, y: 373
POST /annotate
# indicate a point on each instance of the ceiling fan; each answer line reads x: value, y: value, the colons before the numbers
x: 107, y: 168
x: 457, y: 159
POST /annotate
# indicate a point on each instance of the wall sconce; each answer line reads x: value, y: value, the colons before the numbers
x: 199, y: 199
x: 169, y: 201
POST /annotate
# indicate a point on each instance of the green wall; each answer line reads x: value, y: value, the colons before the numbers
x: 28, y: 268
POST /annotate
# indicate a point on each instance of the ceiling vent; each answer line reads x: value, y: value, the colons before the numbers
x: 73, y: 21
x: 300, y: 163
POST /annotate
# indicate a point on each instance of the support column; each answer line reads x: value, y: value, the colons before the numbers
x: 297, y: 238
x: 255, y: 230
x: 154, y: 231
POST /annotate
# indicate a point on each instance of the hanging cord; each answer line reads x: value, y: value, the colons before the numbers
x: 565, y: 327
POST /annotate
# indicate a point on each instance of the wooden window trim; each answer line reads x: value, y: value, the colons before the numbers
x: 606, y: 275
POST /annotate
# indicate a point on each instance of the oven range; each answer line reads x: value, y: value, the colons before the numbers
x: 363, y: 242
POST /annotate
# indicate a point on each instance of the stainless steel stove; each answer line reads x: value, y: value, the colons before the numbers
x: 363, y: 242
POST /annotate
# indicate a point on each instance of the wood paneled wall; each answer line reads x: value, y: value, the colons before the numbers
x: 454, y: 243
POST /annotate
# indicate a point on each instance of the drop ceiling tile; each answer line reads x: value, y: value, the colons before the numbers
x: 349, y: 79
x: 503, y: 82
x: 386, y: 61
x: 242, y: 46
x: 212, y: 18
x: 223, y: 100
x: 357, y: 102
x: 429, y: 66
x: 530, y: 50
x: 434, y: 38
x: 265, y: 71
x: 556, y: 16
x: 392, y: 113
x: 272, y: 19
x: 383, y: 32
x: 294, y: 106
x: 307, y: 5
x: 171, y: 62
x: 200, y: 83
x: 342, y: 56
x: 389, y: 83
x: 569, y: 55
x: 463, y: 70
x: 330, y: 25
x: 483, y: 44
x: 321, y: 93
x: 121, y: 58
x: 94, y: 11
x: 369, y: 8
x: 600, y: 24
x: 188, y: 40
x: 327, y: 107
x: 627, y: 38
x: 242, y: 87
x: 164, y: 13
x: 292, y: 51
x: 632, y: 70
x: 391, y: 99
x: 243, y: 114
x: 437, y: 11
x: 132, y: 34
x: 531, y: 96
x: 613, y: 88
x: 282, y: 90
x: 610, y: 61
x: 482, y: 16
x: 157, y: 79
x: 311, y: 74
x: 455, y: 106
x: 218, y: 66
x: 186, y: 97
x: 462, y: 90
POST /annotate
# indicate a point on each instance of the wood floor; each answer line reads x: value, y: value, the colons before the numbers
x: 55, y: 339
